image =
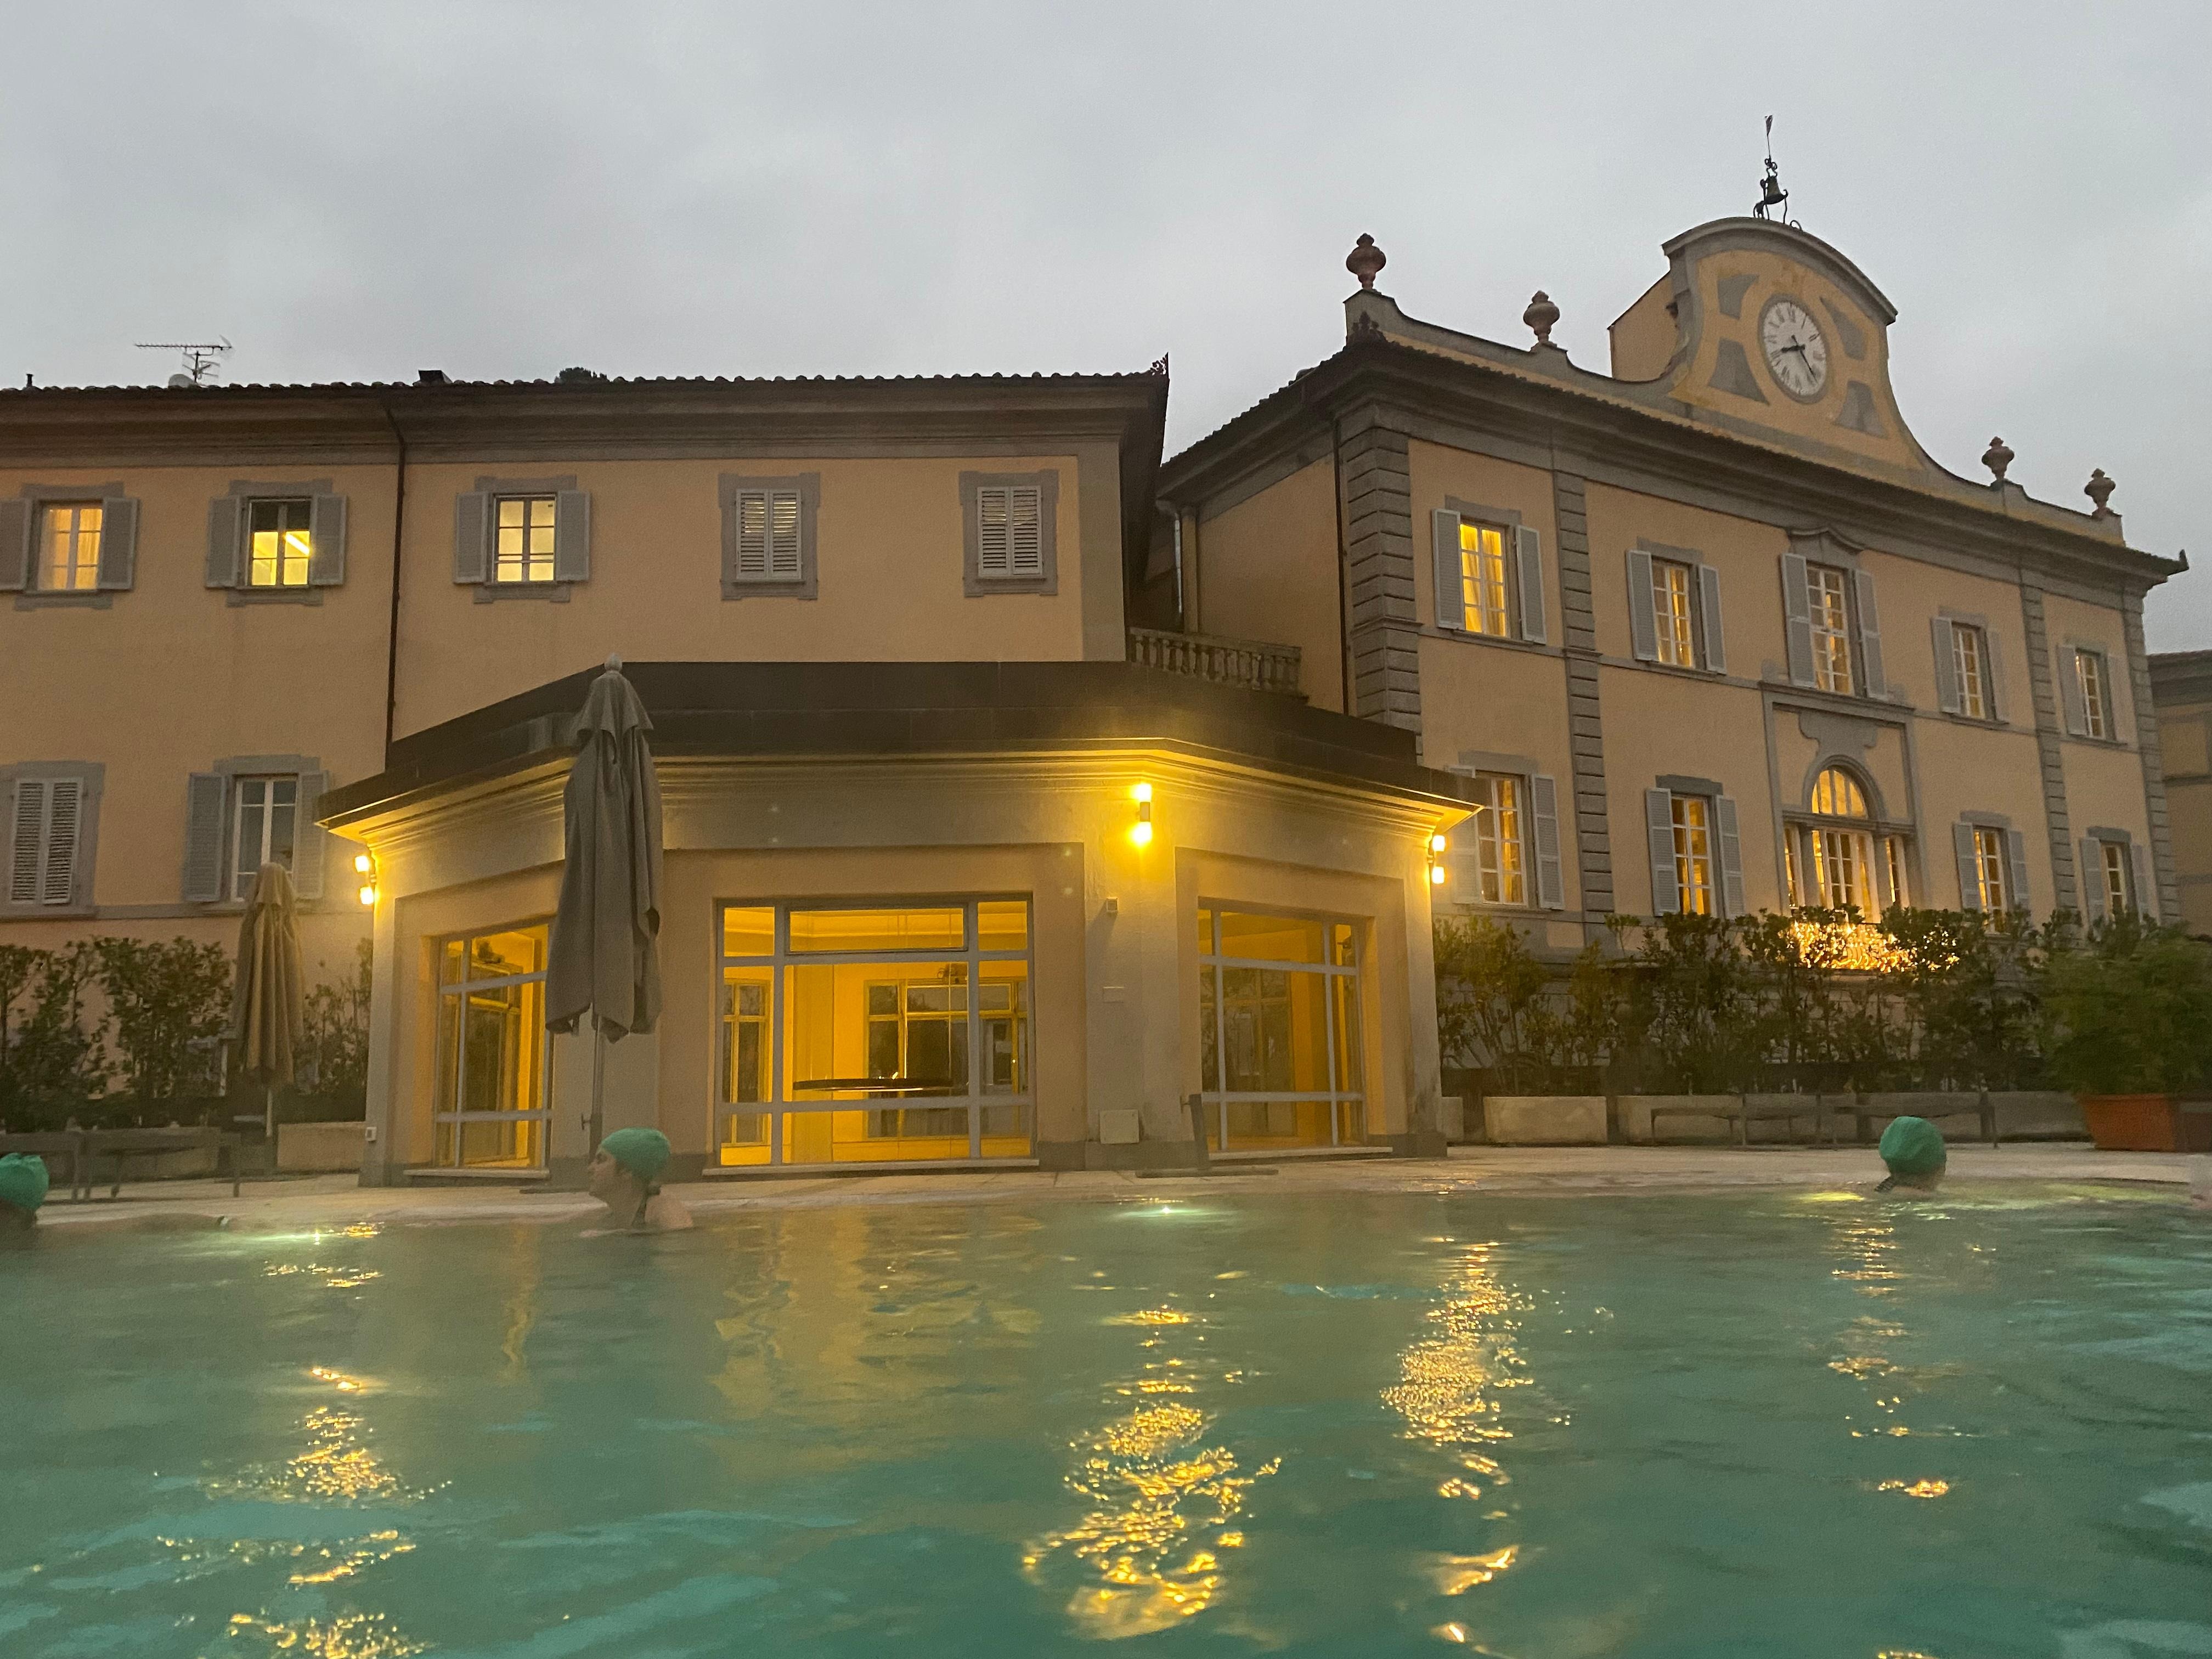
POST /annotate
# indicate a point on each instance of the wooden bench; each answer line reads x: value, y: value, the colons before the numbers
x: 60, y: 1143
x: 1865, y: 1109
x: 121, y: 1144
x: 1744, y: 1110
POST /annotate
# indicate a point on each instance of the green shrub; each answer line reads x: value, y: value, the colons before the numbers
x: 2130, y: 1012
x: 52, y: 1061
x: 169, y: 1002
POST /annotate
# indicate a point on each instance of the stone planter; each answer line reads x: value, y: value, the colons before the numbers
x: 1676, y: 1126
x: 319, y: 1148
x: 2149, y: 1123
x: 1544, y: 1119
x: 2038, y: 1114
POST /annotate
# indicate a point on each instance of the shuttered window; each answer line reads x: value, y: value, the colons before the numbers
x: 1832, y: 633
x: 69, y: 547
x: 43, y: 840
x: 2096, y: 705
x: 265, y: 823
x: 524, y: 530
x: 768, y: 532
x: 1497, y: 839
x: 279, y: 544
x: 1693, y: 855
x: 1970, y: 660
x: 1670, y: 607
x: 1009, y: 532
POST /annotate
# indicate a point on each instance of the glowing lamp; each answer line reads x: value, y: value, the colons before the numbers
x: 1140, y: 832
x: 1437, y: 843
x: 362, y: 863
x: 368, y: 892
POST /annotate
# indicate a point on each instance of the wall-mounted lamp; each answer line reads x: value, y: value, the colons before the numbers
x: 1437, y: 845
x: 1140, y: 832
x: 365, y: 867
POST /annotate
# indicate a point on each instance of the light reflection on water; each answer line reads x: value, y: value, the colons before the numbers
x: 1449, y: 1383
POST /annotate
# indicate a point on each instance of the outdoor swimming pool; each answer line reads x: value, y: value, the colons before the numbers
x: 1789, y: 1423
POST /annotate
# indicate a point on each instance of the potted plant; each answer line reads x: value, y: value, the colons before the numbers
x: 2131, y: 1015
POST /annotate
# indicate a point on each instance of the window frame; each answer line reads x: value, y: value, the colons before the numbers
x: 1521, y: 843
x: 2092, y: 681
x: 1880, y: 849
x: 1686, y: 857
x: 1213, y: 967
x: 496, y: 558
x: 731, y: 491
x: 249, y: 558
x: 457, y: 1115
x: 239, y: 888
x: 1970, y: 667
x: 1845, y: 632
x: 1044, y: 581
x: 42, y: 569
x: 1986, y: 837
x: 1671, y: 632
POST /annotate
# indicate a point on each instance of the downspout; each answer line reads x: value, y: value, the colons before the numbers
x: 398, y: 546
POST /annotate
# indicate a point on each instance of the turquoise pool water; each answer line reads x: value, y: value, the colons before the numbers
x: 1537, y: 1427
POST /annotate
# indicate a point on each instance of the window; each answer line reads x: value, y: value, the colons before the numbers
x: 264, y: 816
x: 494, y: 1088
x: 69, y: 547
x: 1482, y: 577
x: 1843, y: 860
x: 2096, y: 708
x: 1970, y: 662
x: 859, y: 1034
x: 2118, y: 877
x: 1893, y: 854
x: 1993, y: 871
x: 278, y: 543
x: 768, y: 535
x: 1831, y: 638
x: 1693, y: 855
x: 1496, y: 836
x: 524, y: 526
x: 48, y: 820
x: 1279, y: 1024
x: 1670, y: 609
x: 1008, y: 520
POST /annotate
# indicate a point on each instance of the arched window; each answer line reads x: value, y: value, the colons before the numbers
x: 1837, y: 794
x: 1835, y: 866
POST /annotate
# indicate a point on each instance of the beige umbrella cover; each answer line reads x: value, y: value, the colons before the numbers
x: 265, y: 996
x: 605, y: 956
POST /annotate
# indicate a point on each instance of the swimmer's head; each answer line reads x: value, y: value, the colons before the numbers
x: 23, y: 1184
x: 1912, y: 1148
x: 628, y: 1162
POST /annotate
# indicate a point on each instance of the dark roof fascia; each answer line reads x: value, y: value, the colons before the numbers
x: 2178, y: 677
x: 1524, y: 409
x: 97, y: 425
x: 905, y: 710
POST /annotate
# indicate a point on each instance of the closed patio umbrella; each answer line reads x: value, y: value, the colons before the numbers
x: 265, y: 996
x: 604, y: 956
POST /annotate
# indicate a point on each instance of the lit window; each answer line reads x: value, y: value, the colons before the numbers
x: 1482, y: 576
x: 2119, y: 882
x: 1837, y: 794
x: 279, y: 545
x: 2096, y: 712
x: 1841, y: 879
x: 526, y: 539
x: 1693, y: 855
x: 1892, y: 858
x: 266, y: 809
x: 493, y: 1092
x: 1993, y: 870
x: 1832, y: 865
x: 1501, y: 863
x: 70, y: 548
x: 1831, y: 638
x: 1969, y: 660
x: 1280, y: 1031
x: 1670, y: 609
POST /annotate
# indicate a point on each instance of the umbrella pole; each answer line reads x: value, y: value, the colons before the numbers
x: 598, y: 1089
x: 268, y: 1118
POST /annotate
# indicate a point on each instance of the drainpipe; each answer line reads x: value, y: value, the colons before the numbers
x: 399, y: 547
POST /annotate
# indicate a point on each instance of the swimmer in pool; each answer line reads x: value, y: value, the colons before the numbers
x: 626, y: 1177
x: 22, y: 1189
x: 1912, y: 1148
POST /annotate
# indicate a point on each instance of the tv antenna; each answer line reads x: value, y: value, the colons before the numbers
x: 203, y: 358
x: 1771, y: 196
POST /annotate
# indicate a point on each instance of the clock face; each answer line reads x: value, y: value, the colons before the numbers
x: 1797, y: 351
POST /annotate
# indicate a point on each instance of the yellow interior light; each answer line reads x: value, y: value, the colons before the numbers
x: 360, y: 863
x: 368, y: 892
x: 1437, y: 843
x: 1141, y: 832
x: 1142, y: 792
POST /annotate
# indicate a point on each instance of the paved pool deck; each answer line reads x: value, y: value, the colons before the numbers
x: 324, y: 1203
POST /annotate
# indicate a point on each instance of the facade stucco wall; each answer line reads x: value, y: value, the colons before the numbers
x: 1268, y: 570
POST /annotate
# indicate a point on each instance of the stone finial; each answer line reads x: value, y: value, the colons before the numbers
x: 1540, y: 315
x: 2100, y: 490
x: 1998, y: 457
x: 1364, y: 260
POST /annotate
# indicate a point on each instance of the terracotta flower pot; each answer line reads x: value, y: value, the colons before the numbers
x: 2145, y: 1123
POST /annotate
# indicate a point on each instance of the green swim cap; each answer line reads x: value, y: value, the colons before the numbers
x: 1912, y: 1147
x: 22, y: 1181
x: 643, y: 1152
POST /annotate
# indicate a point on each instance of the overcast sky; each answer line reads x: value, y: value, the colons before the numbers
x: 353, y: 192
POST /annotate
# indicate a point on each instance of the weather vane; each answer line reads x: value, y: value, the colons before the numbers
x: 1771, y: 196
x: 203, y: 358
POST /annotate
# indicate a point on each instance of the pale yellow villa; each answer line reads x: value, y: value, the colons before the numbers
x: 1022, y: 790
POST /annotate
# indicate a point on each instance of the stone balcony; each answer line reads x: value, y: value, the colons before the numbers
x: 1251, y: 663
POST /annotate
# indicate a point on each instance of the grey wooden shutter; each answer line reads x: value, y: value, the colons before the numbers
x: 17, y: 518
x: 310, y: 840
x: 2070, y: 693
x: 1528, y: 556
x: 65, y: 814
x: 2016, y: 857
x: 1731, y: 842
x: 226, y: 540
x: 1024, y: 531
x: 994, y: 550
x: 472, y: 537
x: 206, y: 794
x: 749, y: 553
x: 327, y: 541
x: 1969, y: 874
x: 1993, y: 675
x: 1709, y: 601
x: 2146, y: 890
x: 119, y: 542
x: 2091, y: 875
x: 1949, y: 697
x: 571, y: 535
x: 1451, y: 595
x: 1551, y: 882
x: 1642, y: 613
x: 786, y: 536
x: 1797, y: 617
x: 1877, y: 684
x: 1659, y: 824
x: 26, y: 840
